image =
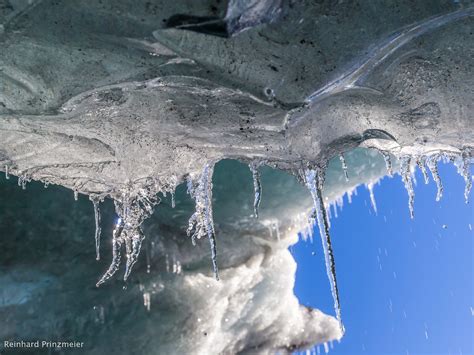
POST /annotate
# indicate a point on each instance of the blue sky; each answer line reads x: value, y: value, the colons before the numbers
x: 406, y: 286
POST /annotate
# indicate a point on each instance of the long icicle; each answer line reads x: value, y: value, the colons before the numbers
x: 95, y: 202
x: 314, y: 182
x: 405, y: 162
x: 432, y: 163
x: 257, y: 187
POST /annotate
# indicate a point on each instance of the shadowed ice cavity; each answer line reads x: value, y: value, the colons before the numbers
x: 54, y: 236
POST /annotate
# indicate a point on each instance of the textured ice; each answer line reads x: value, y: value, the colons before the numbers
x: 125, y: 100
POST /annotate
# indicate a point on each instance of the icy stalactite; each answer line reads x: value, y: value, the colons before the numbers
x: 370, y: 187
x: 405, y: 171
x: 421, y: 163
x: 95, y: 202
x: 132, y: 211
x: 7, y: 176
x: 257, y: 186
x: 432, y: 163
x: 465, y: 172
x: 202, y: 222
x: 173, y: 201
x: 314, y: 179
x: 388, y: 161
x: 76, y: 195
x: 344, y: 166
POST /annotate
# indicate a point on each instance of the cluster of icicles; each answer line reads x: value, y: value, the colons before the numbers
x: 133, y: 210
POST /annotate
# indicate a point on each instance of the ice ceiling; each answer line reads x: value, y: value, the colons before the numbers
x: 130, y: 99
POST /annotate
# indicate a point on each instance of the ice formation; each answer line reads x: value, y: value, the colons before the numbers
x: 125, y: 100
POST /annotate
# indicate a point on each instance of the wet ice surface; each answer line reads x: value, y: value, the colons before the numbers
x: 146, y: 96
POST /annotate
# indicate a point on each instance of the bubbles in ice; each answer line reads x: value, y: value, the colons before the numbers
x: 257, y: 186
x: 405, y: 171
x: 202, y: 222
x: 314, y: 179
x: 132, y: 210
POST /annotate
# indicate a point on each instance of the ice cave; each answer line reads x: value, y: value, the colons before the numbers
x: 160, y: 157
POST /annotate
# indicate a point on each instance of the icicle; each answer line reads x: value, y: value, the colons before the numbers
x: 76, y: 195
x: 433, y: 166
x: 314, y: 182
x: 132, y: 212
x: 173, y: 202
x: 257, y: 187
x: 95, y: 203
x: 421, y: 161
x: 135, y: 244
x: 6, y: 172
x: 116, y: 254
x: 406, y: 177
x: 202, y: 221
x: 388, y: 162
x: 344, y: 166
x: 370, y: 187
x: 276, y: 225
x: 146, y: 301
x: 466, y: 174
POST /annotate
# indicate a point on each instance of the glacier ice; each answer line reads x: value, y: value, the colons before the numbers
x: 125, y: 101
